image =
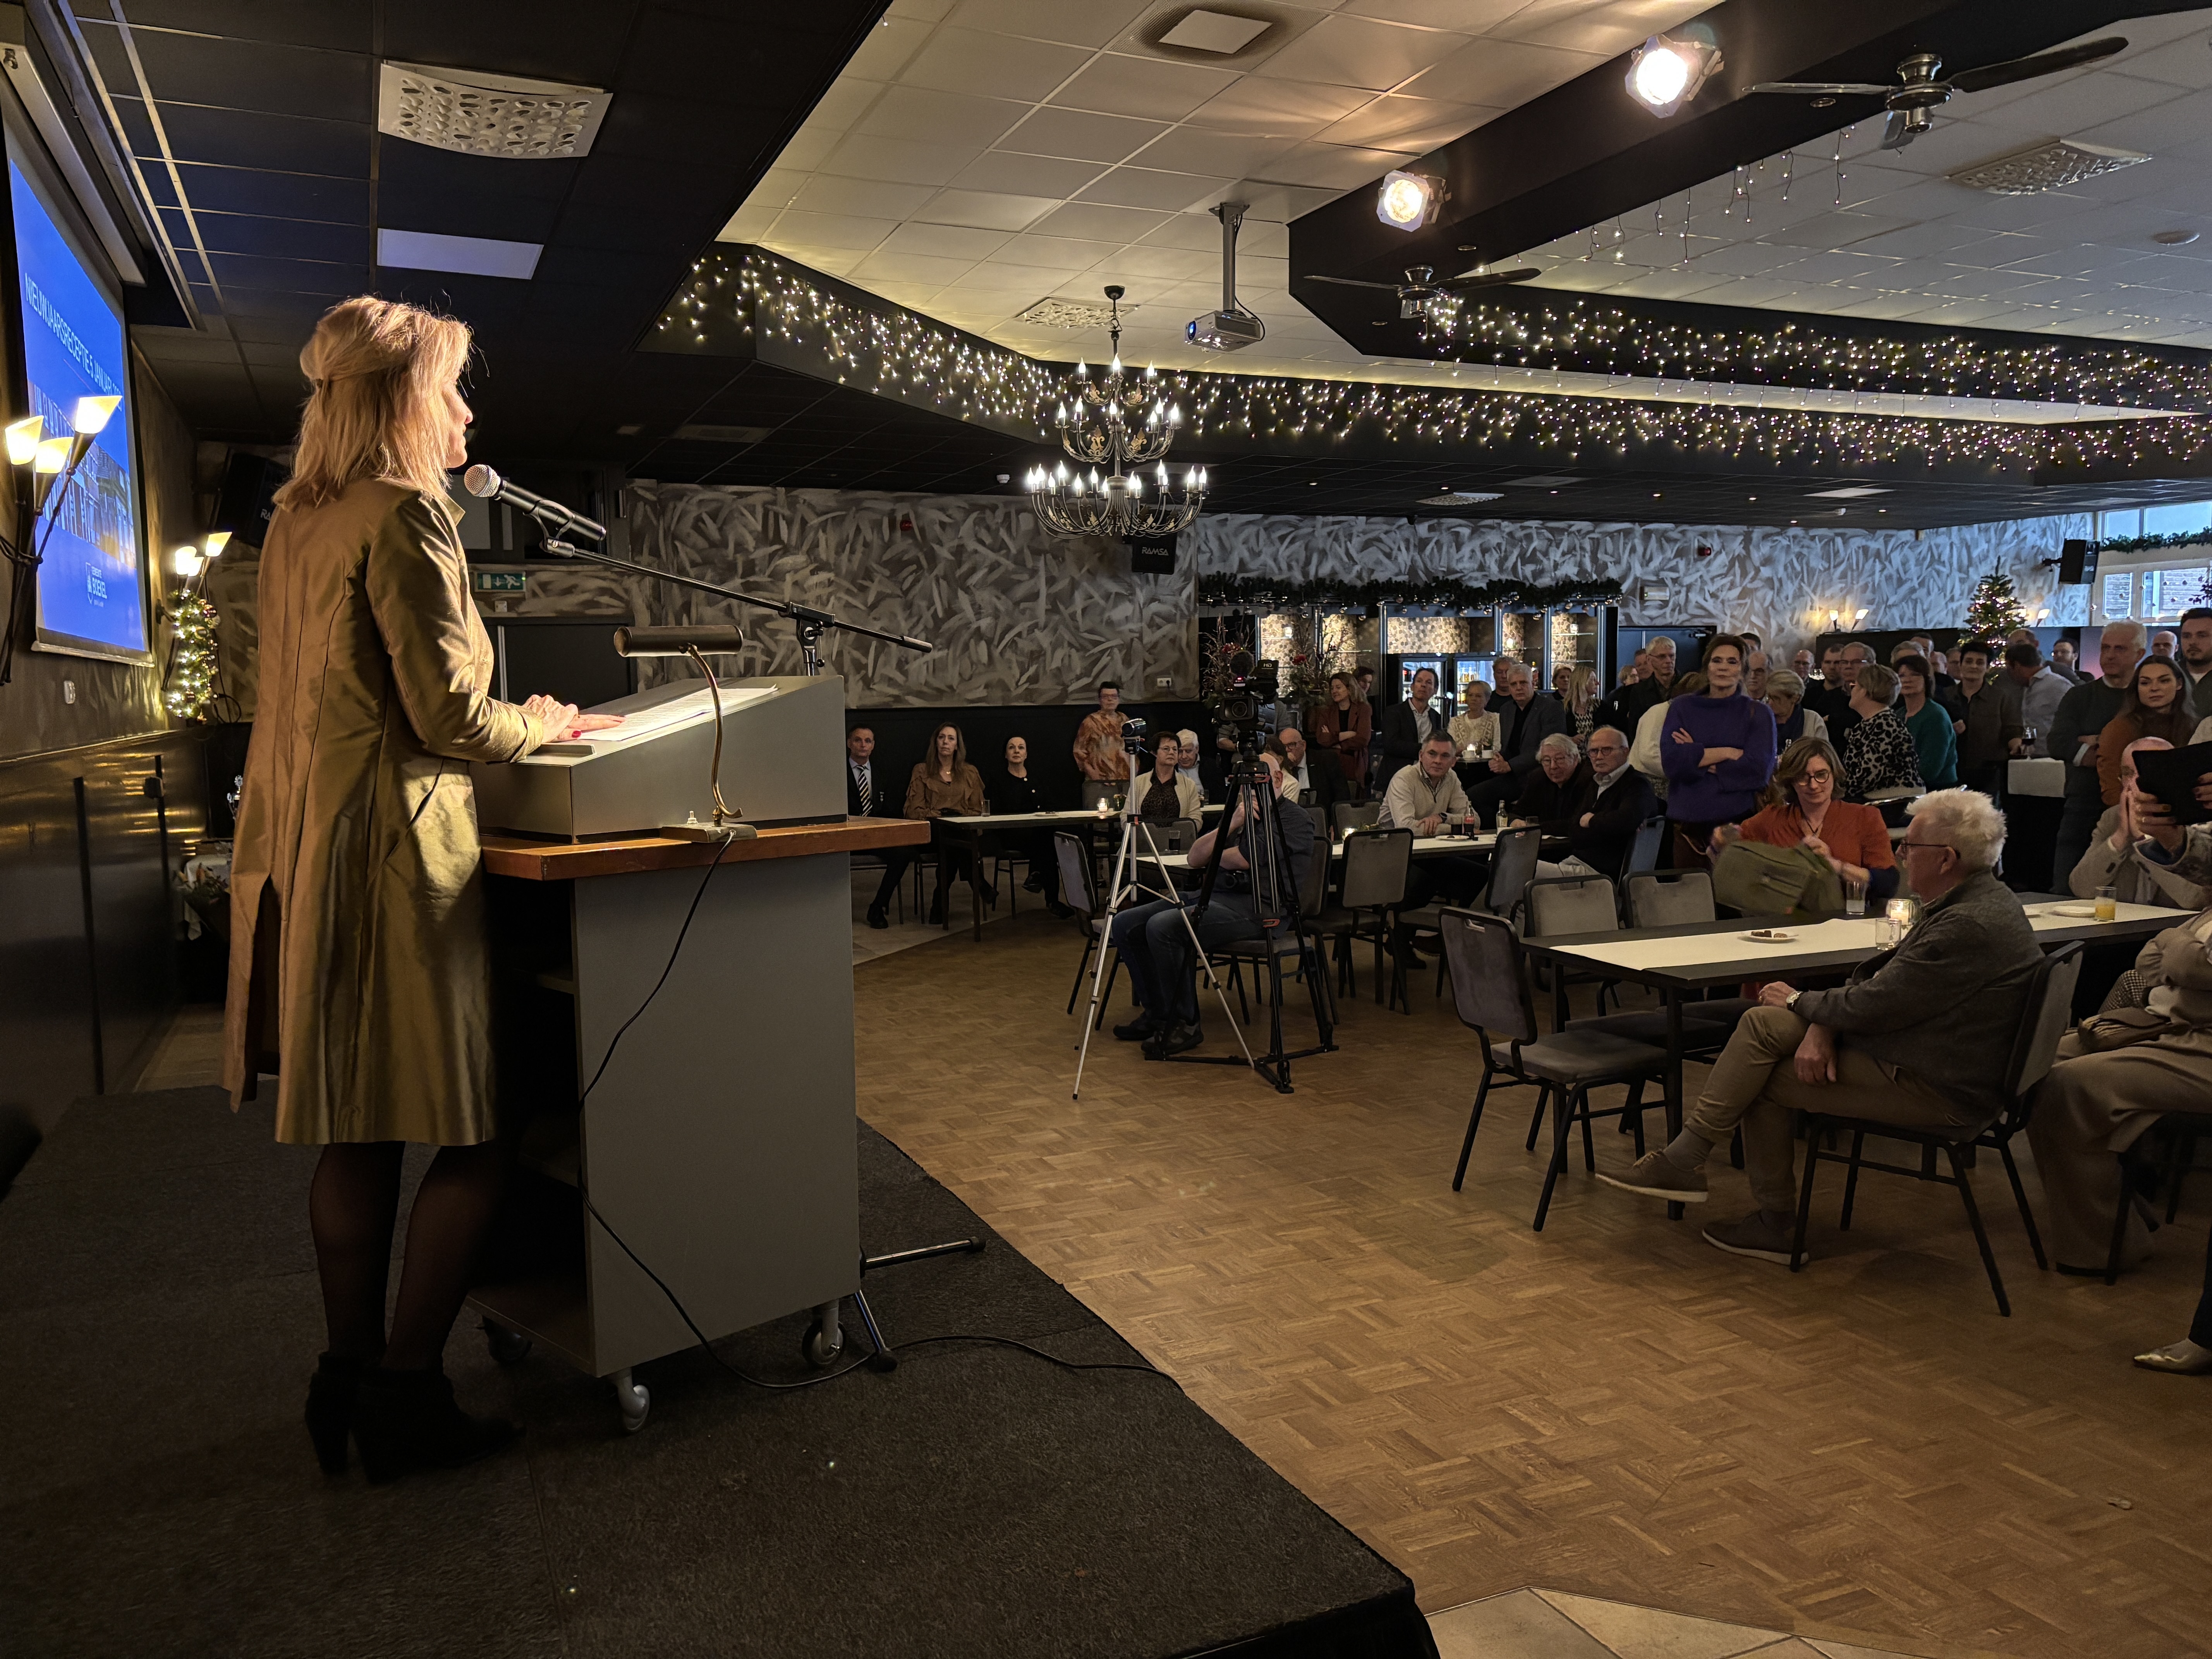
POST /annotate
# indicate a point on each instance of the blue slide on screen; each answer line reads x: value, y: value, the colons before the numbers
x: 73, y: 347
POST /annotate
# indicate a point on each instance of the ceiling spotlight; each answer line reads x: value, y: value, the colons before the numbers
x: 1408, y: 201
x: 2174, y: 238
x: 1665, y: 72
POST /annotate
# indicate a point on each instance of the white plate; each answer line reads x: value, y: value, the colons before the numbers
x: 2083, y: 910
x: 1769, y: 936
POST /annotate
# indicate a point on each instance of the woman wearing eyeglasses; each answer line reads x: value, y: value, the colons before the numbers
x: 1801, y: 810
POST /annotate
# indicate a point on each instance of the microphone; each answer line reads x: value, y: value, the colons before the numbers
x: 481, y: 481
x: 676, y: 642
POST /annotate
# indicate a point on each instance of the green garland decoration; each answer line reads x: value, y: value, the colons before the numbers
x: 1423, y: 594
x: 2154, y: 544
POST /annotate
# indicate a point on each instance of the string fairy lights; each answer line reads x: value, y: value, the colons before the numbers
x: 754, y: 296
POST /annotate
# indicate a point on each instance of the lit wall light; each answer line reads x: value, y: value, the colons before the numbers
x: 92, y: 415
x: 1861, y: 618
x: 1408, y: 200
x: 1667, y: 71
x: 23, y: 439
x: 187, y: 561
x: 51, y: 456
x: 215, y: 542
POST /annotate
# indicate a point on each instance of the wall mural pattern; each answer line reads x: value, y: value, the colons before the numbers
x: 1018, y: 617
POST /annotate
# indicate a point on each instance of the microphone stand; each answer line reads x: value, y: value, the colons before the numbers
x: 811, y: 622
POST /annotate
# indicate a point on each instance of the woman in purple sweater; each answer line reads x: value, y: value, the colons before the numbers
x: 1718, y: 751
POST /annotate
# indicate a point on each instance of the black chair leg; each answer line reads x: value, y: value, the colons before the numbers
x: 1981, y: 1233
x: 1543, y: 1094
x: 1473, y: 1122
x: 1850, y: 1181
x: 1589, y: 1146
x: 1237, y: 978
x: 1563, y: 1116
x: 1089, y: 945
x: 2019, y: 1197
x: 1634, y: 1116
x: 1735, y: 1149
x: 1805, y: 1198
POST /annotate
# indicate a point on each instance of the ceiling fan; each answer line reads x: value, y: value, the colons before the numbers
x: 1920, y: 92
x: 1421, y: 285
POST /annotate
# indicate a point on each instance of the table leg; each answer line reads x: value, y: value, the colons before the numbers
x: 975, y: 881
x: 1674, y: 1211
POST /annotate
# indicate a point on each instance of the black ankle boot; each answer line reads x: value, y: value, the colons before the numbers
x: 405, y: 1420
x: 330, y: 1408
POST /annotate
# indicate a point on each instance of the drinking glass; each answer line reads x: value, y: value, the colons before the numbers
x: 2108, y: 904
x: 1855, y: 891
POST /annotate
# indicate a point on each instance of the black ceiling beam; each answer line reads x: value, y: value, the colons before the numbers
x: 1587, y: 151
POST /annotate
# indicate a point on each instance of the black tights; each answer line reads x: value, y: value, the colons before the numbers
x: 353, y: 1205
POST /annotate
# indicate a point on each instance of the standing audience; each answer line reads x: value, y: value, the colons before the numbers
x: 2041, y: 690
x: 2155, y: 705
x: 1880, y: 756
x: 1099, y: 754
x: 1793, y: 717
x: 1407, y: 726
x: 2196, y: 655
x: 1581, y: 698
x: 2065, y: 662
x: 1989, y: 732
x: 1343, y: 726
x: 1524, y: 720
x: 1718, y: 751
x: 1934, y: 738
x: 2077, y: 732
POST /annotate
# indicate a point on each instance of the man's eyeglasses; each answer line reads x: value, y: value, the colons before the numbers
x: 1908, y: 843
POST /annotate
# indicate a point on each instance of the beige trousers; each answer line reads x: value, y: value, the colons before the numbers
x: 1754, y: 1086
x: 2094, y: 1106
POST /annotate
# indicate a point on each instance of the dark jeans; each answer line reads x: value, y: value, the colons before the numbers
x: 1156, y: 947
x: 1457, y: 880
x: 2077, y: 827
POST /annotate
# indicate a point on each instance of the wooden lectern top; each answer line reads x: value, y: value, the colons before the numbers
x: 533, y: 860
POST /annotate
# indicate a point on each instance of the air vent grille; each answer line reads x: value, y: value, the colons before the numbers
x: 1070, y: 315
x: 1463, y: 498
x: 473, y: 114
x: 2053, y: 166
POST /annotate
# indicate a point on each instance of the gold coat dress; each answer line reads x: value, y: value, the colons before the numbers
x: 360, y: 969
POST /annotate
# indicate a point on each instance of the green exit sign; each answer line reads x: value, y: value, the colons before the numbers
x: 501, y: 581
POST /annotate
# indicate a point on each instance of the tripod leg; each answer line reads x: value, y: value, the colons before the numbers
x: 883, y: 1359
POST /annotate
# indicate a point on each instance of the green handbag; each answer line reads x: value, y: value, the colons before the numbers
x: 1755, y: 879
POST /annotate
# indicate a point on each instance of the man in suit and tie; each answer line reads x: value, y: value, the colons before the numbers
x: 1321, y: 784
x: 869, y: 795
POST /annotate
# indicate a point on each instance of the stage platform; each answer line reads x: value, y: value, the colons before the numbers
x: 159, y: 1316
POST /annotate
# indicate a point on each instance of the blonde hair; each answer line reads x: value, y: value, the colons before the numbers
x: 1582, y: 689
x: 378, y: 371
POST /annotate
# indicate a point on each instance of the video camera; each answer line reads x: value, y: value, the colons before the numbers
x: 1133, y: 730
x: 1254, y: 682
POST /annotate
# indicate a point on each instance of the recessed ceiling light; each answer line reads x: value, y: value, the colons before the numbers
x: 2174, y: 238
x: 469, y: 256
x: 1215, y: 31
x: 1848, y: 492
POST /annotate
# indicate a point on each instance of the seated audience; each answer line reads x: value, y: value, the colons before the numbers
x: 1919, y: 1037
x: 1163, y: 794
x: 2192, y: 1355
x: 943, y: 784
x: 2156, y: 705
x: 1800, y: 809
x: 1599, y: 839
x: 868, y: 797
x: 1793, y: 717
x: 2093, y: 1105
x: 1524, y: 720
x: 1934, y: 742
x: 1879, y: 753
x: 2116, y: 859
x: 1014, y: 791
x: 1643, y: 745
x: 1475, y: 729
x: 1154, y: 939
x: 1718, y: 752
x: 1559, y: 791
x: 1423, y: 798
x: 1188, y: 766
x: 1315, y: 779
x: 1343, y: 726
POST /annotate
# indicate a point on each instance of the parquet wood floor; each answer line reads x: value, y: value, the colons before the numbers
x: 1610, y: 1408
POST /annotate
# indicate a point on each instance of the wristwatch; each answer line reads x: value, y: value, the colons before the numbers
x: 1790, y: 1001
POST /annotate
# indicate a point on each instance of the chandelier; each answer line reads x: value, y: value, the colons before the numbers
x: 1120, y: 420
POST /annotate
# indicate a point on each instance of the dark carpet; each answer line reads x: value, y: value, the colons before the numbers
x: 159, y: 1316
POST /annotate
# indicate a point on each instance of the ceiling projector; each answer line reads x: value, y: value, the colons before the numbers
x: 1231, y: 328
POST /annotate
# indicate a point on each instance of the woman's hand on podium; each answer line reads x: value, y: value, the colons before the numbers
x: 559, y: 720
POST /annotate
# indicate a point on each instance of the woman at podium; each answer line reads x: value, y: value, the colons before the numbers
x: 359, y: 967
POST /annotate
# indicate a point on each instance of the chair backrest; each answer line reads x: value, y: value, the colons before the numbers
x: 1074, y: 871
x: 1376, y: 863
x: 1670, y: 898
x: 1313, y: 892
x: 1180, y: 835
x: 1320, y: 816
x: 1512, y: 867
x: 1644, y: 851
x: 1360, y: 817
x: 1571, y: 905
x: 1488, y: 980
x: 2048, y: 1012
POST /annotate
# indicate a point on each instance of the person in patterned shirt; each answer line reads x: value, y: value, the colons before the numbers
x: 1099, y: 754
x: 1879, y: 753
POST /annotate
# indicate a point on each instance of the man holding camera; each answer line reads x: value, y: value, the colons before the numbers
x: 1154, y: 939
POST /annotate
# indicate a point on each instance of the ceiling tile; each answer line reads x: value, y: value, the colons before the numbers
x: 1407, y: 124
x: 1345, y: 51
x: 986, y: 210
x: 847, y: 100
x: 1602, y: 28
x: 1289, y: 109
x: 888, y: 48
x: 826, y: 192
x: 1202, y: 150
x: 912, y: 268
x: 1089, y: 223
x: 1498, y: 74
x: 1142, y: 86
x: 902, y: 160
x: 1000, y: 66
x: 943, y: 117
x: 795, y: 229
x: 945, y: 241
x: 1078, y: 134
x: 2182, y: 63
x: 1143, y: 188
x: 1074, y: 23
x: 1026, y: 175
x: 1054, y: 252
x: 1464, y: 16
x: 1334, y: 167
x: 2071, y: 103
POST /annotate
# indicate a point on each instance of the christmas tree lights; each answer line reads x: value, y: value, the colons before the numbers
x: 1995, y: 609
x: 194, y: 663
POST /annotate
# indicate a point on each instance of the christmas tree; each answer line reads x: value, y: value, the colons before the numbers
x: 192, y: 684
x: 1995, y: 610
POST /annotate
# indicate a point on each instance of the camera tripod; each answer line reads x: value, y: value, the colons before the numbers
x: 1275, y: 885
x: 1125, y: 860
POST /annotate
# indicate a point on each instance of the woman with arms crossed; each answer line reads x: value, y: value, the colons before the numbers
x: 359, y: 970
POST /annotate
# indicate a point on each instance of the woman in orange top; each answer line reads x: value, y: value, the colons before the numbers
x: 1800, y: 809
x: 2156, y: 706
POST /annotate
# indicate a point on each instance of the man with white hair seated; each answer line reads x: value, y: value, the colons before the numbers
x: 1918, y: 1037
x: 1599, y: 839
x: 1188, y: 740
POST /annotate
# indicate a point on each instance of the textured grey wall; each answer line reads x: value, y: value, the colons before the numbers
x: 1020, y: 616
